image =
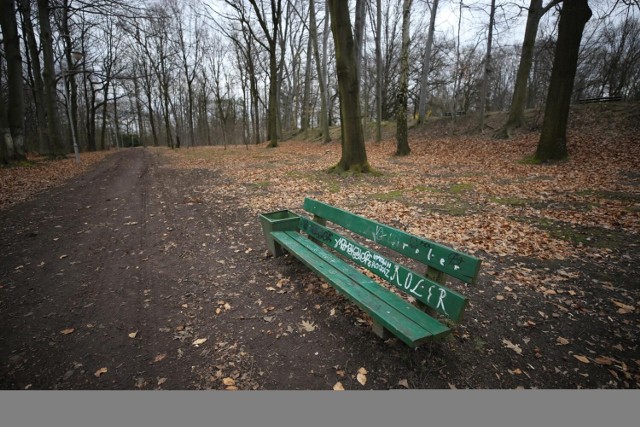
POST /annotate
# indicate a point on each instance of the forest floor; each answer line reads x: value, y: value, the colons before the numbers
x: 148, y: 269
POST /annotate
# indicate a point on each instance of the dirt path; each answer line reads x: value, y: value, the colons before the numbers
x: 142, y: 275
x: 92, y: 278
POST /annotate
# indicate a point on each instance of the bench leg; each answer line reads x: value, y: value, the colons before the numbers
x: 381, y: 331
x: 278, y: 250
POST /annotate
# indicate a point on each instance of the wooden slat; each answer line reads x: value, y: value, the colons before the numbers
x: 454, y: 263
x: 401, y: 318
x: 431, y: 293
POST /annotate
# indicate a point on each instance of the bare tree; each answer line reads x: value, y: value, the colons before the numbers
x: 402, y: 138
x: 426, y: 64
x: 553, y: 138
x: 378, y: 71
x: 354, y: 155
x: 487, y: 65
x: 6, y: 143
x: 49, y: 79
x: 516, y: 111
x: 321, y: 71
x: 36, y: 73
x: 15, y: 102
x: 271, y: 46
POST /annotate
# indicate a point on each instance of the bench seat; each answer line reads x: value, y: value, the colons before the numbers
x: 412, y: 325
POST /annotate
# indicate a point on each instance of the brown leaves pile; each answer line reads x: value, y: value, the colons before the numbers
x: 470, y: 192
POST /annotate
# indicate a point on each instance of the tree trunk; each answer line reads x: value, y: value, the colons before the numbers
x: 313, y: 34
x: 105, y: 112
x: 38, y: 86
x: 15, y: 111
x: 115, y: 113
x: 402, y: 137
x: 487, y: 66
x: 306, y: 93
x: 136, y: 91
x: 49, y: 80
x: 358, y: 34
x: 378, y: 71
x: 553, y: 138
x: 325, y: 78
x: 354, y: 155
x: 6, y: 144
x: 516, y: 111
x: 70, y: 80
x: 426, y: 64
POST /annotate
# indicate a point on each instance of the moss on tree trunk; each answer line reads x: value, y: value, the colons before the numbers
x: 553, y: 138
x: 354, y: 155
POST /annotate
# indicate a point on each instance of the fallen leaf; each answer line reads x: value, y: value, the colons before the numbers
x: 404, y: 383
x: 332, y: 312
x: 63, y: 256
x: 199, y: 341
x: 562, y: 341
x: 218, y: 310
x: 308, y: 326
x: 604, y: 360
x: 338, y: 386
x: 582, y: 359
x: 159, y: 357
x: 512, y: 346
x: 499, y: 297
x: 161, y: 381
x: 67, y: 331
x: 231, y: 388
x: 228, y: 381
x: 133, y: 334
x: 227, y: 306
x: 100, y: 371
x: 623, y: 308
x: 362, y: 376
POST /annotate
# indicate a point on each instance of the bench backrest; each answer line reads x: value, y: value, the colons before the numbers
x: 435, y: 256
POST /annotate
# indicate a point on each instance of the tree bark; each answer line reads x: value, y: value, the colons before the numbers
x: 313, y: 34
x: 70, y: 79
x: 516, y: 111
x: 354, y: 155
x: 358, y: 34
x: 426, y: 65
x: 38, y: 86
x: 49, y: 80
x: 487, y: 66
x: 15, y: 111
x: 272, y: 43
x: 402, y: 137
x: 306, y: 93
x: 6, y: 144
x: 553, y: 138
x: 379, y: 71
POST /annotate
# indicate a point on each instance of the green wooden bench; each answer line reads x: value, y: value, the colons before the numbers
x: 326, y: 252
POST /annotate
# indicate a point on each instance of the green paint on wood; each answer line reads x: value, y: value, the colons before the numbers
x: 456, y: 264
x: 401, y: 318
x: 432, y: 294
